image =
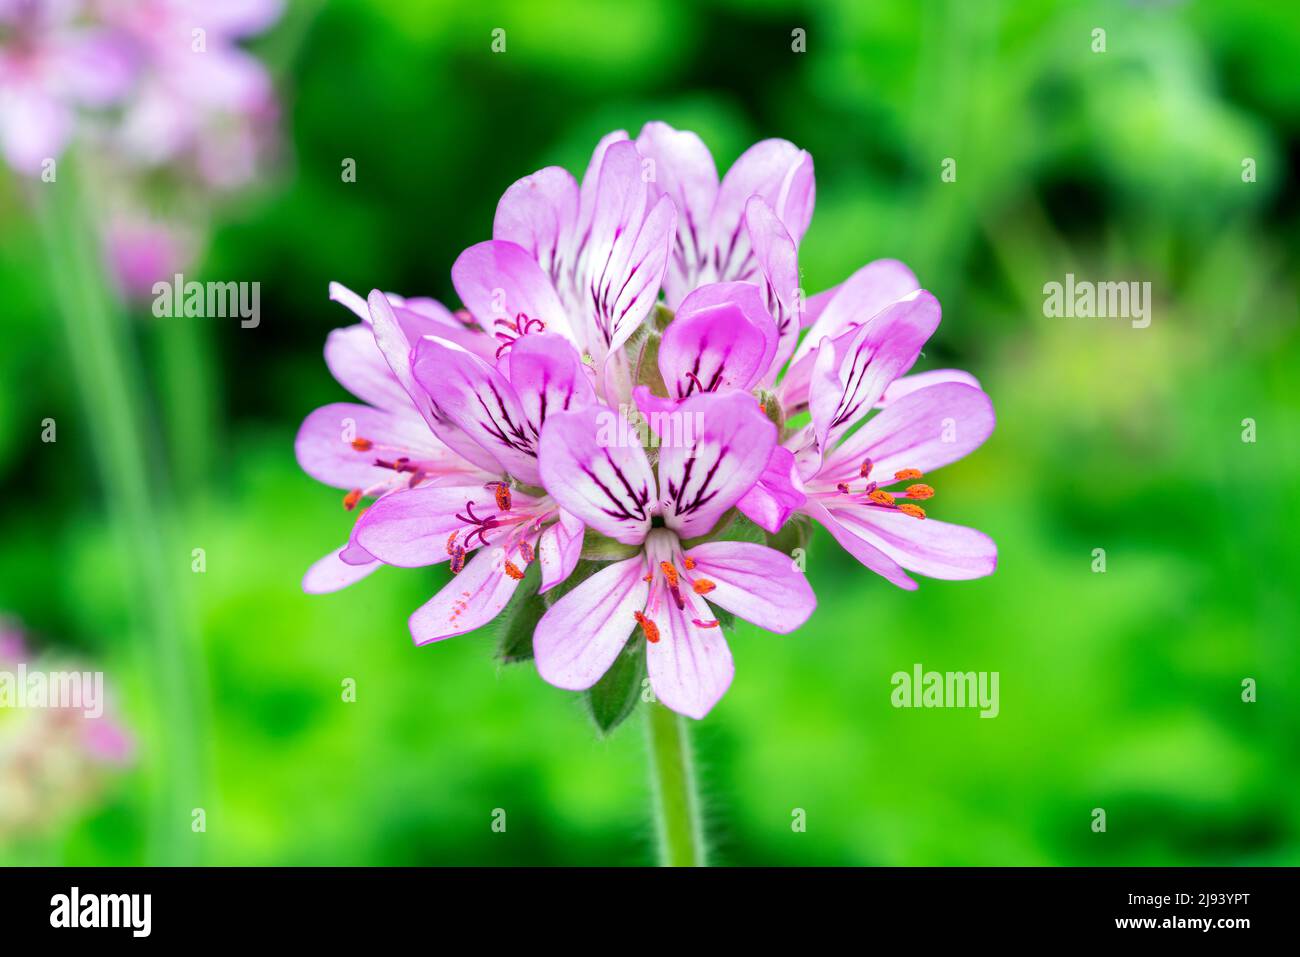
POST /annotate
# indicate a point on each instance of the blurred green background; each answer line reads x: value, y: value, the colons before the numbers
x: 1119, y: 690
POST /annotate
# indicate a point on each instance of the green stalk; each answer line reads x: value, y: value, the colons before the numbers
x: 109, y: 380
x: 676, y: 803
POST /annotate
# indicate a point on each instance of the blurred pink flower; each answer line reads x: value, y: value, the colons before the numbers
x: 51, y: 65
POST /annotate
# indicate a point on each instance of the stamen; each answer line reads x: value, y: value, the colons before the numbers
x: 526, y: 551
x: 914, y: 510
x: 502, y: 492
x: 842, y: 488
x: 920, y: 491
x: 417, y: 477
x: 865, y: 470
x: 688, y: 562
x: 649, y: 627
x: 703, y: 586
x: 362, y: 445
x: 513, y: 571
x: 350, y: 500
x: 451, y: 542
x: 711, y: 623
x: 903, y: 475
x: 670, y: 573
x: 881, y: 497
x: 457, y: 560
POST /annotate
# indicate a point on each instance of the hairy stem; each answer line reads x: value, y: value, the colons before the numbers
x: 676, y: 802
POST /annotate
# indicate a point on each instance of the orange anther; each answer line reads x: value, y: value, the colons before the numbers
x: 649, y: 627
x: 703, y: 586
x: 670, y: 573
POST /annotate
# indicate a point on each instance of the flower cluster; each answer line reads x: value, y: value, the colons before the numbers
x: 636, y: 412
x: 162, y: 94
x: 54, y: 760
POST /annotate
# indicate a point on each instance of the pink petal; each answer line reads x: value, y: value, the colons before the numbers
x: 547, y: 376
x: 722, y: 336
x: 558, y: 550
x: 684, y: 171
x: 360, y: 367
x: 778, y: 262
x: 592, y: 463
x: 590, y: 184
x: 756, y: 583
x: 815, y: 305
x: 726, y: 451
x: 627, y: 251
x: 500, y: 281
x: 777, y: 493
x: 853, y: 543
x: 906, y: 385
x: 660, y: 414
x: 925, y: 546
x: 860, y: 297
x: 324, y: 443
x: 34, y: 127
x: 540, y: 214
x: 330, y: 574
x: 409, y: 528
x: 397, y: 345
x: 922, y: 430
x: 580, y: 636
x: 690, y: 666
x: 479, y: 401
x: 470, y: 600
x: 845, y: 388
x: 779, y: 172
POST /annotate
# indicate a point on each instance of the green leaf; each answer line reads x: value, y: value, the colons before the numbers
x: 520, y: 617
x: 615, y: 696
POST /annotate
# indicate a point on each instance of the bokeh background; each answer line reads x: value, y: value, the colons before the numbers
x: 1120, y: 690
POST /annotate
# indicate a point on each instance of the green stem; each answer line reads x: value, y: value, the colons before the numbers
x: 107, y: 373
x: 676, y: 803
x: 186, y: 381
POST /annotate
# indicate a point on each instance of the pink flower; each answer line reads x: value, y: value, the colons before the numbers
x: 848, y: 480
x: 666, y: 587
x: 51, y: 67
x: 444, y: 470
x: 384, y: 443
x: 583, y: 262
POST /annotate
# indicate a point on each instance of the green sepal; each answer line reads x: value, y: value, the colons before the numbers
x: 645, y: 363
x: 581, y: 572
x: 520, y: 617
x: 663, y: 316
x: 602, y: 548
x: 796, y: 533
x: 616, y: 695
